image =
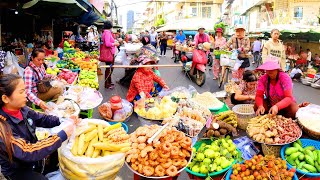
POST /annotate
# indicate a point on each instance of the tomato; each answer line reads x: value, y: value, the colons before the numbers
x: 291, y: 174
x: 243, y: 168
x: 292, y: 170
x: 256, y: 174
x: 247, y: 172
x: 270, y: 164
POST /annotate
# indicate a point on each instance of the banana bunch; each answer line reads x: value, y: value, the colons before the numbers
x: 98, y: 141
x: 76, y: 171
x: 227, y: 117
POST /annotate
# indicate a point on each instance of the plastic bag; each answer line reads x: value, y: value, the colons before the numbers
x: 190, y: 91
x: 119, y: 115
x: 56, y: 175
x: 12, y: 65
x: 224, y: 60
x: 77, y: 167
x: 237, y: 65
x: 127, y: 106
x: 246, y: 147
x: 119, y: 56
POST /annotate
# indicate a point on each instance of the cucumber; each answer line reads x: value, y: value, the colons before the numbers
x: 310, y: 168
x: 311, y: 148
x: 297, y: 162
x: 315, y: 155
x: 308, y: 152
x: 309, y: 160
x: 291, y: 150
x: 318, y: 156
x: 295, y: 155
x: 317, y: 166
x: 301, y: 164
x: 291, y: 161
x: 304, y: 170
x: 299, y: 142
x: 295, y: 144
x: 301, y: 157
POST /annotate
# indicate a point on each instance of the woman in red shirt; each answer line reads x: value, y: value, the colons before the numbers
x: 143, y: 80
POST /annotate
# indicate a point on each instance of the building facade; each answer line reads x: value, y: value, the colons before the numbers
x: 159, y: 14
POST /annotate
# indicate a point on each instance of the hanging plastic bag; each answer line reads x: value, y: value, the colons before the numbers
x: 120, y: 55
x: 237, y: 65
x: 79, y: 167
x: 224, y: 60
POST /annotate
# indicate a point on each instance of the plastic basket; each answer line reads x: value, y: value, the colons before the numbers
x: 197, y: 145
x: 305, y: 142
x: 125, y: 127
x: 295, y: 177
x: 244, y: 113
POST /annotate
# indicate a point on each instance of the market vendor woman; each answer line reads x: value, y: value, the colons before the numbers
x: 33, y: 74
x: 21, y: 153
x: 142, y: 84
x: 276, y: 86
x: 246, y: 91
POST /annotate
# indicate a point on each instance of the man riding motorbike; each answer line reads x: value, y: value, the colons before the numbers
x: 180, y: 38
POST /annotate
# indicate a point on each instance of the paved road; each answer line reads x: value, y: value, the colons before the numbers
x: 174, y: 77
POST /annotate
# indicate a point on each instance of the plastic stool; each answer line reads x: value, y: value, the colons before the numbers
x: 86, y: 113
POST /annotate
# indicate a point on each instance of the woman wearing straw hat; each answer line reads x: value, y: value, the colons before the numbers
x: 142, y: 83
x: 276, y: 86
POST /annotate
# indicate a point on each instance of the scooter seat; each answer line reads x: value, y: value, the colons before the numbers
x: 189, y: 55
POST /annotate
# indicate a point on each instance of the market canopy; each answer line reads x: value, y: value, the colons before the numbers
x: 55, y: 8
x: 189, y: 24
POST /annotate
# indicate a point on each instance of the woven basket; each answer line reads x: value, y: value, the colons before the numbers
x: 271, y: 150
x: 244, y: 113
x: 311, y: 133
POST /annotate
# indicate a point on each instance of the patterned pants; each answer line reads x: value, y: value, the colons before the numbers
x: 216, y: 68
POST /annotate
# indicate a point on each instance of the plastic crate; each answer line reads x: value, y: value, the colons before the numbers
x: 305, y: 142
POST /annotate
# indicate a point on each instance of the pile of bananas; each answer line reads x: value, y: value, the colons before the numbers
x: 98, y: 152
x: 98, y: 141
x: 228, y: 117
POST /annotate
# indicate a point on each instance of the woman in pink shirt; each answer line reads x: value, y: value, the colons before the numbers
x: 219, y: 43
x: 201, y: 37
x: 274, y: 92
x: 107, y: 51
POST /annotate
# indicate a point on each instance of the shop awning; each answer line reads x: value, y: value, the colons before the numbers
x: 55, y: 8
x: 189, y: 24
x: 91, y: 16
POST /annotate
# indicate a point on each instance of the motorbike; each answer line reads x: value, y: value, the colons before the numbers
x: 194, y: 65
x: 177, y: 55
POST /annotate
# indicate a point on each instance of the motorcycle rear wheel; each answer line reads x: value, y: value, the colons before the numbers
x: 200, y: 78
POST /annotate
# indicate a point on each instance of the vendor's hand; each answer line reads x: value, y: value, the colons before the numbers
x: 260, y: 111
x: 75, y: 119
x: 43, y: 106
x: 166, y: 87
x: 252, y: 97
x: 274, y: 110
x: 142, y: 95
x: 304, y: 104
x: 69, y: 129
x: 116, y: 44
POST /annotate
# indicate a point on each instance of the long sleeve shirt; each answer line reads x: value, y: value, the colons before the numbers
x: 143, y: 81
x: 32, y: 75
x: 243, y: 43
x: 27, y: 150
x: 280, y: 92
x: 201, y: 38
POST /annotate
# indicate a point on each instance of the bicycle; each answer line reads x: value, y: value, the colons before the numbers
x: 259, y: 60
x: 224, y: 75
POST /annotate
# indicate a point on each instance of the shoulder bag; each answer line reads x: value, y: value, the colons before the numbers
x: 43, y: 85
